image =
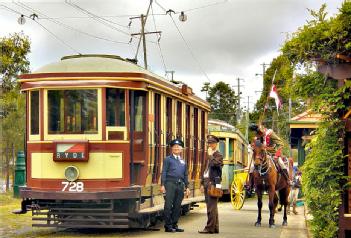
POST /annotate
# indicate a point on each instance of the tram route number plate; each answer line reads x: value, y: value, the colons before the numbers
x: 72, y: 186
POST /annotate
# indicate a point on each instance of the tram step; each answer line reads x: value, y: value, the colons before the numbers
x: 78, y: 209
x: 80, y: 213
x: 56, y: 219
x: 80, y: 226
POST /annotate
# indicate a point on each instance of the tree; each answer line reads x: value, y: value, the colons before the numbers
x: 223, y: 102
x: 322, y: 40
x: 13, y: 61
x: 265, y: 109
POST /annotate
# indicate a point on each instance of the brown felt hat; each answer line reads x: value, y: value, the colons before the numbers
x: 212, y: 139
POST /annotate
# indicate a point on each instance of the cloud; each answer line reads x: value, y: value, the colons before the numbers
x: 228, y: 40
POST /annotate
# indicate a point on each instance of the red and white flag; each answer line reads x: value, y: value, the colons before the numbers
x: 274, y: 94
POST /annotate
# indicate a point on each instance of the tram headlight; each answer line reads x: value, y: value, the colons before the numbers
x: 71, y: 173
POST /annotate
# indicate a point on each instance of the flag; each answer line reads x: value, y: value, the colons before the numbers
x: 274, y: 94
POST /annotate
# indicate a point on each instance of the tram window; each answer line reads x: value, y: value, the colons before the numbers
x: 179, y: 120
x: 115, y: 107
x: 139, y: 107
x: 222, y: 148
x: 34, y: 112
x: 72, y: 111
x: 231, y: 149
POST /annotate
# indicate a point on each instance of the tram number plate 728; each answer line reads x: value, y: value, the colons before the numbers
x: 73, y: 186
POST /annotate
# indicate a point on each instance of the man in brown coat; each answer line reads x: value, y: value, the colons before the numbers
x: 212, y: 175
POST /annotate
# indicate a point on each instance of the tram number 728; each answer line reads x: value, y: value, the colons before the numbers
x: 73, y: 186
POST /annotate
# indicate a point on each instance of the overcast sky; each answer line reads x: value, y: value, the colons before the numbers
x: 225, y: 39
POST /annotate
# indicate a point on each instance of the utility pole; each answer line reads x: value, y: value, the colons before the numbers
x: 247, y: 118
x: 170, y: 72
x: 142, y: 34
x: 264, y: 68
x: 238, y: 115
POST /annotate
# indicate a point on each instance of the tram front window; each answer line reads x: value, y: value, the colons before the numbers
x: 115, y: 107
x: 72, y: 111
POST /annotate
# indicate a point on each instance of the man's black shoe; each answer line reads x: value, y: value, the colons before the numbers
x: 178, y: 229
x: 169, y: 229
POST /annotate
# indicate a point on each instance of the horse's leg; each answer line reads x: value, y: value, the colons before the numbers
x: 271, y: 194
x: 275, y: 202
x: 284, y: 197
x: 259, y: 191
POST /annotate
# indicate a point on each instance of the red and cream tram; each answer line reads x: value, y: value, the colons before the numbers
x: 97, y: 133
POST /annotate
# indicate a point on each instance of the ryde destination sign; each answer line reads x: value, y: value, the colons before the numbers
x: 72, y: 151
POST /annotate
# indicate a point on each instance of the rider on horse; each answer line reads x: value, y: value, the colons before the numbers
x: 273, y: 145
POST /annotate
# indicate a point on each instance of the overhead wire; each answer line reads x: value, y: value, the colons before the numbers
x: 46, y: 17
x: 205, y: 6
x: 42, y: 26
x: 158, y: 42
x: 189, y: 49
x: 95, y: 17
x: 57, y: 38
x: 185, y: 42
x: 104, y: 16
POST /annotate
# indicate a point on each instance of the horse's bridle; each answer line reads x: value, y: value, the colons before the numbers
x: 263, y: 167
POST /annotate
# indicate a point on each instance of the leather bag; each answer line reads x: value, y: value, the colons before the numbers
x: 214, y: 192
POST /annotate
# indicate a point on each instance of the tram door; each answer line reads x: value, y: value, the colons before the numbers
x: 157, y: 138
x: 137, y: 102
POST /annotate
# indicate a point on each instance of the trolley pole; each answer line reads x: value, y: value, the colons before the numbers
x: 142, y: 35
x: 143, y: 21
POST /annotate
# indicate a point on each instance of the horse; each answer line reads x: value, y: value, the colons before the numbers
x: 266, y: 176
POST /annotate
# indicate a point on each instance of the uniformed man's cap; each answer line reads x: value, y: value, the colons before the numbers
x: 212, y: 139
x: 176, y: 142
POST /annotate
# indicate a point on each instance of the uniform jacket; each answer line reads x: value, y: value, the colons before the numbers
x: 173, y: 169
x: 273, y: 141
x: 214, y: 163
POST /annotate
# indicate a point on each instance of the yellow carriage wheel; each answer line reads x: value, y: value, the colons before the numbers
x: 237, y: 194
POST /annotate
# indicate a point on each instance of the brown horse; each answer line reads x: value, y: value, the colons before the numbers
x: 266, y: 176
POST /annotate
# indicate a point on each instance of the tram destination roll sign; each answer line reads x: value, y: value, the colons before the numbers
x: 71, y: 151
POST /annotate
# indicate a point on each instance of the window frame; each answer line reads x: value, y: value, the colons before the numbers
x: 73, y: 136
x: 30, y: 135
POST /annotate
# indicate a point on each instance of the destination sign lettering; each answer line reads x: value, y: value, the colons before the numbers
x: 70, y: 155
x: 71, y: 151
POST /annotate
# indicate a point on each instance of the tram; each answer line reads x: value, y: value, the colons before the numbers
x: 234, y: 148
x: 97, y: 132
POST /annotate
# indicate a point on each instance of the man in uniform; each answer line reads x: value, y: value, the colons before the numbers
x: 212, y: 175
x: 174, y: 181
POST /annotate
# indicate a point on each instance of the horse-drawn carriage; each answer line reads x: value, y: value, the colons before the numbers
x: 238, y: 188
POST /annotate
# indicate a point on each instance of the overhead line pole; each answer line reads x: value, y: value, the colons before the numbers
x: 142, y: 34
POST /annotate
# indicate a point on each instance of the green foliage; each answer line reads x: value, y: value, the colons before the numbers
x: 13, y: 58
x: 321, y: 39
x: 284, y: 82
x: 223, y: 102
x: 13, y: 61
x: 322, y: 174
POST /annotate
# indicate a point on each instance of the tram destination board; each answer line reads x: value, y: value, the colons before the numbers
x: 71, y: 151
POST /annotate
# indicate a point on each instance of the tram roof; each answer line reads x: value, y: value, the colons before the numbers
x: 103, y: 66
x: 215, y: 125
x: 93, y: 63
